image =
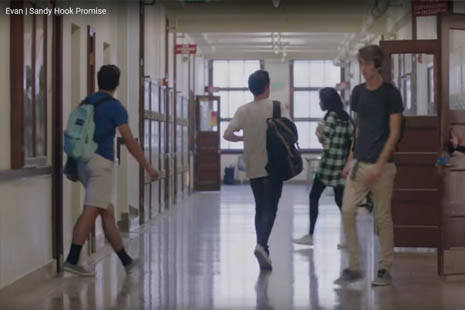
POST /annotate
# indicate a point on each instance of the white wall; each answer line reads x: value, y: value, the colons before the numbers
x: 25, y: 213
x: 155, y: 25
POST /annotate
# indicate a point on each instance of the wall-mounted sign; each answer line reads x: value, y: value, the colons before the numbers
x: 185, y: 49
x: 429, y: 7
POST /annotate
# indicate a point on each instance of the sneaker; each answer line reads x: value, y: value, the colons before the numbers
x: 342, y: 246
x: 263, y: 258
x: 131, y: 267
x: 382, y: 279
x: 305, y: 240
x: 348, y: 276
x: 78, y: 270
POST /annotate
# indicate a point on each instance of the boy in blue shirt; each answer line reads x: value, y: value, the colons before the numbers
x: 97, y: 174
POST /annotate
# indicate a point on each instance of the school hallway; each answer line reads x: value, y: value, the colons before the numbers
x: 202, y: 258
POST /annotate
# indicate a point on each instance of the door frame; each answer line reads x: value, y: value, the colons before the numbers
x: 196, y: 133
x: 432, y: 47
x: 446, y: 22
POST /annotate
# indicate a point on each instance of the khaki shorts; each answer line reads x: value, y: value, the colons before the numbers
x: 97, y: 177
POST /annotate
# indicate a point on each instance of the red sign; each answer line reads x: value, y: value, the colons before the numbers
x: 429, y: 7
x: 185, y: 49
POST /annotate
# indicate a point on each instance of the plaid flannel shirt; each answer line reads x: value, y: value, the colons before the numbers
x: 336, y: 139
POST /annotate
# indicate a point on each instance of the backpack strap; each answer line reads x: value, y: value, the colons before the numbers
x: 105, y: 99
x: 276, y: 109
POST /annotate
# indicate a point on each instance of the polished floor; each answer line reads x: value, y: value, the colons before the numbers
x: 199, y: 255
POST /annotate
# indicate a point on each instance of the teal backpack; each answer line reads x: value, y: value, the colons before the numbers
x: 79, y: 134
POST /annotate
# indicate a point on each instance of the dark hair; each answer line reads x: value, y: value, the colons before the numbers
x: 372, y: 53
x: 108, y: 77
x: 258, y: 82
x: 331, y: 101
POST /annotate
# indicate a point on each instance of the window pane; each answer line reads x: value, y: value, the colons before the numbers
x: 220, y: 73
x: 28, y: 80
x: 457, y: 70
x: 301, y: 74
x: 307, y: 104
x: 317, y: 74
x: 233, y: 73
x: 250, y: 66
x: 40, y: 88
x: 332, y: 74
x: 307, y: 137
x: 224, y: 104
x: 208, y: 115
x: 236, y: 74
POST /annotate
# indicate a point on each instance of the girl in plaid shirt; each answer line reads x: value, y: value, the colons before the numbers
x: 335, y: 134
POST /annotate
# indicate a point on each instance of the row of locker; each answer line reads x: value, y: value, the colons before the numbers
x: 166, y: 123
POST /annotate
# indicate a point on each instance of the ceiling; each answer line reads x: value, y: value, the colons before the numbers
x: 296, y: 29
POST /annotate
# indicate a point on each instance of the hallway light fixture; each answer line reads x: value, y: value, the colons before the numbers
x: 275, y: 3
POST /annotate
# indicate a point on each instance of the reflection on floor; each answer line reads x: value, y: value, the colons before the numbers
x: 199, y: 255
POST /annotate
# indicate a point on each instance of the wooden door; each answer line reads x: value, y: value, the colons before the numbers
x: 413, y: 66
x: 207, y: 147
x: 452, y: 251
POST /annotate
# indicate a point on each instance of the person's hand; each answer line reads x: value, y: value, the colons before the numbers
x: 456, y: 137
x: 374, y: 174
x: 153, y: 173
x: 347, y: 169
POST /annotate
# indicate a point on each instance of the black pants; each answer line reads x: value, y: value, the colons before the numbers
x: 266, y: 193
x: 315, y: 194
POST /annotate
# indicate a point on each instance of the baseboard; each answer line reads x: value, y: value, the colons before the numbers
x: 30, y: 280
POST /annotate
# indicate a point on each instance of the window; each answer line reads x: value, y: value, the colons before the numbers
x: 430, y: 77
x: 308, y: 77
x: 231, y: 76
x: 29, y: 102
x: 404, y: 81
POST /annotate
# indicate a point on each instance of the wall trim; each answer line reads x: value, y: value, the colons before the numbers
x: 9, y: 175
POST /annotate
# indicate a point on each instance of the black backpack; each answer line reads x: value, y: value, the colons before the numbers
x: 284, y: 158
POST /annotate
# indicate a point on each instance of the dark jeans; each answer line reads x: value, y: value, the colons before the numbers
x: 266, y: 193
x: 315, y: 194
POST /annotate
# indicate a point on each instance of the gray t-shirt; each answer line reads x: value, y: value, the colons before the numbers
x: 374, y: 108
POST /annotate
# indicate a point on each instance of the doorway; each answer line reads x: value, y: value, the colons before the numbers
x: 207, y: 140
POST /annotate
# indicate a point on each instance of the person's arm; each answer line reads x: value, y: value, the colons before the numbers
x: 348, y: 165
x: 395, y: 121
x: 234, y: 126
x: 354, y: 107
x: 455, y: 141
x: 136, y: 150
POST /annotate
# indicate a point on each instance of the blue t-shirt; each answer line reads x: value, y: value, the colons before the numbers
x: 108, y: 115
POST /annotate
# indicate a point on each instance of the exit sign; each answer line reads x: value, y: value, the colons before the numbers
x: 185, y: 49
